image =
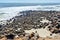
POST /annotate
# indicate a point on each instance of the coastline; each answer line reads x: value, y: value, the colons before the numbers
x: 10, y: 12
x: 32, y: 20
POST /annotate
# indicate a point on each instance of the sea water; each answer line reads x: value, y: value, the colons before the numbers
x: 10, y: 10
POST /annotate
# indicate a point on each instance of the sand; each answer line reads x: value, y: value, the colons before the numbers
x: 42, y: 32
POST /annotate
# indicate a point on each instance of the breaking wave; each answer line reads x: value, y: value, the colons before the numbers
x: 10, y: 12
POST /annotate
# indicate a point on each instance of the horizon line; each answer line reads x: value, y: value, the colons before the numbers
x: 15, y: 2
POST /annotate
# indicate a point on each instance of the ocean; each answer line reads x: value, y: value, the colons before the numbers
x: 10, y: 10
x: 25, y: 4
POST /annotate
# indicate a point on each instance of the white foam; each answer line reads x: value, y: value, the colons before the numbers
x: 13, y: 11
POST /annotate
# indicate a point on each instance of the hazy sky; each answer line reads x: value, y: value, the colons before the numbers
x: 29, y: 1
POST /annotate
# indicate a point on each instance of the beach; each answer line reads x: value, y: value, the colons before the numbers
x: 30, y: 19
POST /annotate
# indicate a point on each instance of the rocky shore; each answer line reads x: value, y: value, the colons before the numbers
x: 47, y: 21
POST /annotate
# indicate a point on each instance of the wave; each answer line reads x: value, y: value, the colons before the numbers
x: 10, y: 12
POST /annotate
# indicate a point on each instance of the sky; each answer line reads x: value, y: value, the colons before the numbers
x: 29, y: 1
